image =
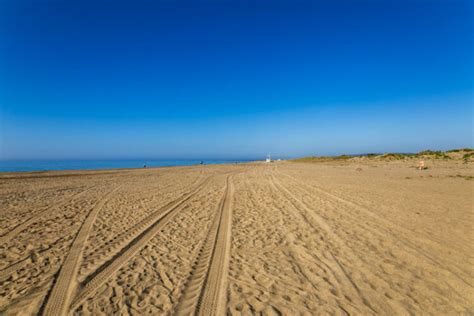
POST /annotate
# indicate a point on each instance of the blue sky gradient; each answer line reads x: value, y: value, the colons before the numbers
x: 228, y: 79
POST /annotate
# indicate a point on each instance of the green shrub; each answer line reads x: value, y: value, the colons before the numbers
x: 459, y: 150
x: 395, y: 156
x: 438, y: 154
x: 467, y: 156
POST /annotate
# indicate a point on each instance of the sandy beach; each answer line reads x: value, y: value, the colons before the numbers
x: 282, y: 238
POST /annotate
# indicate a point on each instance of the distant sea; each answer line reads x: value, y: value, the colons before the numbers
x: 45, y: 165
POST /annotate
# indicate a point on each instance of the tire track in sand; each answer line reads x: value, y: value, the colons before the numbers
x: 309, y: 217
x: 24, y: 225
x: 457, y: 288
x: 149, y: 230
x: 205, y: 290
x: 451, y: 268
x: 66, y: 281
x: 120, y: 241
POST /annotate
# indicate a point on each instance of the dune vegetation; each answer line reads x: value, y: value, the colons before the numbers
x: 465, y: 154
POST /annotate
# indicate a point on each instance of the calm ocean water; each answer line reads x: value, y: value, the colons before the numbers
x: 43, y: 165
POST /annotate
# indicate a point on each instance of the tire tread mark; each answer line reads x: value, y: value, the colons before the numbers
x: 321, y: 222
x: 66, y: 282
x: 22, y: 226
x: 108, y: 269
x: 403, y: 231
x: 127, y: 236
x: 204, y: 292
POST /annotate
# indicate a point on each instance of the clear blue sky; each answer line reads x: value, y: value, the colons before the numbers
x: 233, y: 79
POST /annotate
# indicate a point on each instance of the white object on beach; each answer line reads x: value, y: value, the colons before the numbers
x: 421, y: 165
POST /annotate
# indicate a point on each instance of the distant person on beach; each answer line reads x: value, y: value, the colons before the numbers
x: 421, y: 165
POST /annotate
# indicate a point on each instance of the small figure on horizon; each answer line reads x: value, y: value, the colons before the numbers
x: 421, y: 165
x: 201, y: 163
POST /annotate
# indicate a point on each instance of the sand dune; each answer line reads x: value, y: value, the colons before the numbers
x: 279, y: 238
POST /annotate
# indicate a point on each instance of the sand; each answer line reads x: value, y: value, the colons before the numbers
x: 260, y: 238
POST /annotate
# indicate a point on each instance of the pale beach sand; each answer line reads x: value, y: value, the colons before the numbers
x: 360, y: 237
